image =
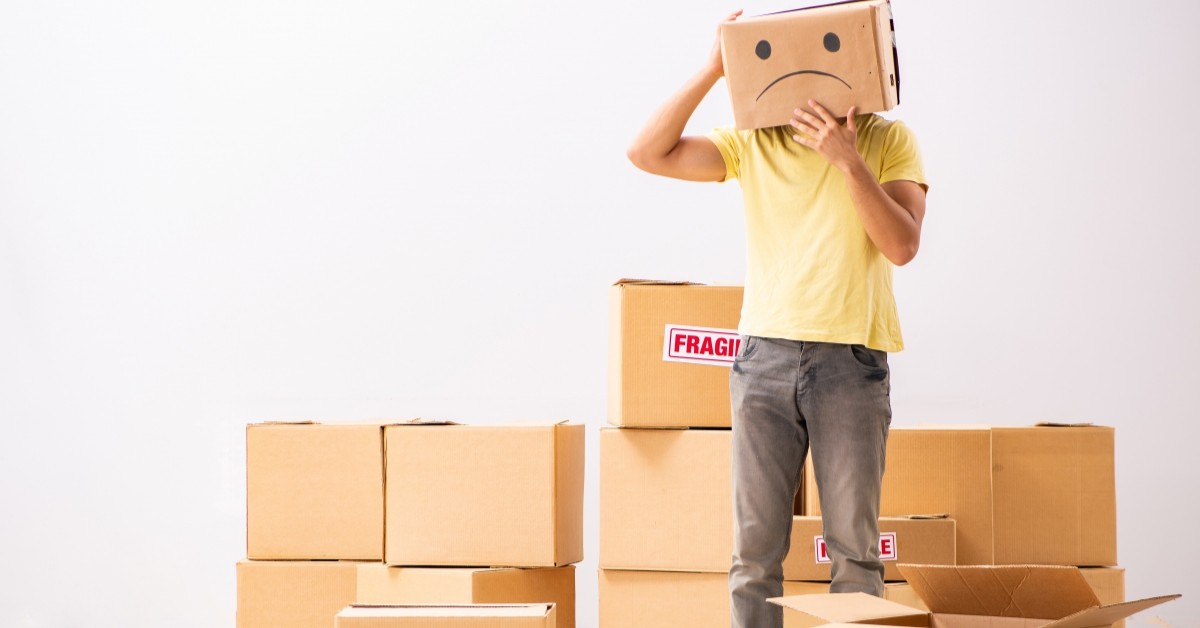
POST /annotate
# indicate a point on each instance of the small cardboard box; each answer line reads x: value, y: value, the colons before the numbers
x: 1005, y: 596
x: 314, y: 491
x: 678, y: 599
x: 495, y: 496
x: 670, y: 348
x: 1042, y: 495
x: 296, y: 594
x: 383, y: 585
x: 917, y: 539
x: 840, y: 55
x: 474, y: 616
x: 665, y: 499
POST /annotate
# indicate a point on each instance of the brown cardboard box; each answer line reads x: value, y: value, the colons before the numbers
x: 508, y: 496
x: 921, y: 540
x: 1021, y: 495
x: 296, y: 594
x: 309, y: 593
x: 381, y: 584
x: 665, y: 499
x: 314, y: 491
x: 670, y: 348
x: 678, y: 599
x: 839, y: 55
x: 1007, y: 596
x: 475, y: 616
x: 1055, y: 495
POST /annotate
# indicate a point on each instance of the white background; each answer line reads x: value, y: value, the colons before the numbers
x: 229, y: 211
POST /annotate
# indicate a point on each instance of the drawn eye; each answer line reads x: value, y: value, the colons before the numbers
x: 832, y: 43
x: 763, y: 49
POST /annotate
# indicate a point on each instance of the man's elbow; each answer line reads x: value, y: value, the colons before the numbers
x: 640, y: 158
x: 903, y: 254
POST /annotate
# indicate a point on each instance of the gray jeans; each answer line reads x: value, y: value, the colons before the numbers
x: 788, y: 395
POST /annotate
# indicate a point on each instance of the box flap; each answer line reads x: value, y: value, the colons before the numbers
x: 1029, y: 591
x: 420, y: 421
x: 1055, y: 424
x: 855, y: 608
x: 1106, y: 615
x: 940, y: 515
x: 655, y: 282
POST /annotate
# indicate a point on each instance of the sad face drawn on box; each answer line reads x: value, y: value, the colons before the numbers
x: 833, y: 54
x: 832, y: 43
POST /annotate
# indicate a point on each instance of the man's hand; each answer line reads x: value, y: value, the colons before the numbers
x: 824, y: 134
x: 890, y: 213
x: 716, y: 65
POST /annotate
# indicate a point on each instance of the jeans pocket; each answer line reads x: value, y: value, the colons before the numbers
x: 747, y: 348
x: 873, y: 361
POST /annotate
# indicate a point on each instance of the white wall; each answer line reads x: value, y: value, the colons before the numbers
x: 228, y: 211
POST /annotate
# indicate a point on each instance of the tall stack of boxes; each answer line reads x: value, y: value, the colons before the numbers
x: 951, y: 496
x: 413, y: 513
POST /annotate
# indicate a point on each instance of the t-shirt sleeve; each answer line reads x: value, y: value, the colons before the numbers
x: 902, y: 156
x: 729, y: 142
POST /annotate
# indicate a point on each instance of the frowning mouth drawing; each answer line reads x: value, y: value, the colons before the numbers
x: 798, y: 72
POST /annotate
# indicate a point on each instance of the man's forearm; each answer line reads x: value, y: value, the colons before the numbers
x: 894, y: 229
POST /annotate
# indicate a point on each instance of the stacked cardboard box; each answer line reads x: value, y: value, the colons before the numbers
x: 473, y: 515
x: 666, y: 526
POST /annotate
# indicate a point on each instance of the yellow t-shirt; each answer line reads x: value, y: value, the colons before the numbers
x: 812, y: 273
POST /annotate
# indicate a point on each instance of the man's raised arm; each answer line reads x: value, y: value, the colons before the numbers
x: 660, y: 148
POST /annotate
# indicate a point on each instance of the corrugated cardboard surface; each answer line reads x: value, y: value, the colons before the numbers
x: 799, y: 65
x: 665, y: 499
x: 676, y: 599
x: 480, y: 616
x: 643, y: 389
x: 936, y: 470
x: 1108, y: 583
x: 1055, y: 495
x: 922, y: 541
x: 1002, y: 591
x: 314, y: 491
x: 296, y: 594
x: 484, y: 496
x: 381, y: 584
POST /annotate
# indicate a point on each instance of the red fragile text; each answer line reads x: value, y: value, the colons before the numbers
x: 701, y: 345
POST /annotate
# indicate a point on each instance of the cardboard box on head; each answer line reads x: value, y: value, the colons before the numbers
x: 840, y: 55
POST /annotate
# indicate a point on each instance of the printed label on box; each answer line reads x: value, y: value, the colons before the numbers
x: 887, y: 547
x: 700, y: 345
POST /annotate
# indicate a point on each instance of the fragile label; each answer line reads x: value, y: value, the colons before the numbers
x: 700, y: 345
x: 887, y: 547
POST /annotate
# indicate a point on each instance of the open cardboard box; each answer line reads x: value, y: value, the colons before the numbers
x: 986, y: 596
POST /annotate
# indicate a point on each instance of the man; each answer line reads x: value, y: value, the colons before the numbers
x: 831, y: 205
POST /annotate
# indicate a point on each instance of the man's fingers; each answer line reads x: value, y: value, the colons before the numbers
x: 812, y: 120
x: 803, y: 140
x: 850, y: 119
x: 803, y: 126
x: 829, y: 118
